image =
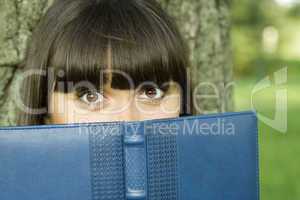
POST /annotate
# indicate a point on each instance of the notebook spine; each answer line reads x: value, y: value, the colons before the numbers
x: 135, y: 166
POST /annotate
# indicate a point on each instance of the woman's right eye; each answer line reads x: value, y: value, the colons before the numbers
x: 92, y: 98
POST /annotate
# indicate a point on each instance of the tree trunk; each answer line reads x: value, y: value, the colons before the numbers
x: 17, y: 20
x: 205, y: 24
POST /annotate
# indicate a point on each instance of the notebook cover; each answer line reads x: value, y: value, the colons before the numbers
x: 212, y: 156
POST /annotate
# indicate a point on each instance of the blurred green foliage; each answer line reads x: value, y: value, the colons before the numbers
x: 250, y: 18
x: 279, y: 153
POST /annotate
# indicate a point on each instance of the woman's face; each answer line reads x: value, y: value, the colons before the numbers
x: 115, y: 105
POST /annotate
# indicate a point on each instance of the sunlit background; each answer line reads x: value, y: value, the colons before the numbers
x: 266, y: 38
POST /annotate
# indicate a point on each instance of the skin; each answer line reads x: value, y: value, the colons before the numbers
x: 114, y: 105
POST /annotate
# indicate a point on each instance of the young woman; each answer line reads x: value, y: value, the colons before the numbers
x: 104, y: 60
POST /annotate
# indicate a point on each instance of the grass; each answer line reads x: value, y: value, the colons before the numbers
x: 279, y: 152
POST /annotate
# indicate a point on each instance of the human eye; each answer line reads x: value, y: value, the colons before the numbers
x: 90, y: 98
x: 151, y: 93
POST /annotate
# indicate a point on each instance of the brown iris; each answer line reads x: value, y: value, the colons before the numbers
x: 91, y: 97
x: 151, y: 92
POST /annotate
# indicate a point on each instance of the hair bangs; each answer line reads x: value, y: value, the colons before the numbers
x: 138, y: 47
x: 80, y: 52
x: 145, y: 46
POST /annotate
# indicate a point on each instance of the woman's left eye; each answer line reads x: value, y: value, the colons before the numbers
x: 152, y: 93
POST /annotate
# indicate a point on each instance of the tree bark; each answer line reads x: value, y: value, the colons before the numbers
x: 17, y: 20
x: 205, y: 25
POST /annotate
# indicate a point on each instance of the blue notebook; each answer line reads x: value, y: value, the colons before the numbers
x: 212, y: 157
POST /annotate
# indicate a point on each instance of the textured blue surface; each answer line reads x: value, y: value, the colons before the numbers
x: 44, y: 164
x: 135, y: 160
x: 107, y: 162
x: 219, y: 165
x: 162, y: 167
x: 188, y: 158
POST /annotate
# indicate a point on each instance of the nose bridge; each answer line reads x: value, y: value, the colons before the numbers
x: 130, y: 113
